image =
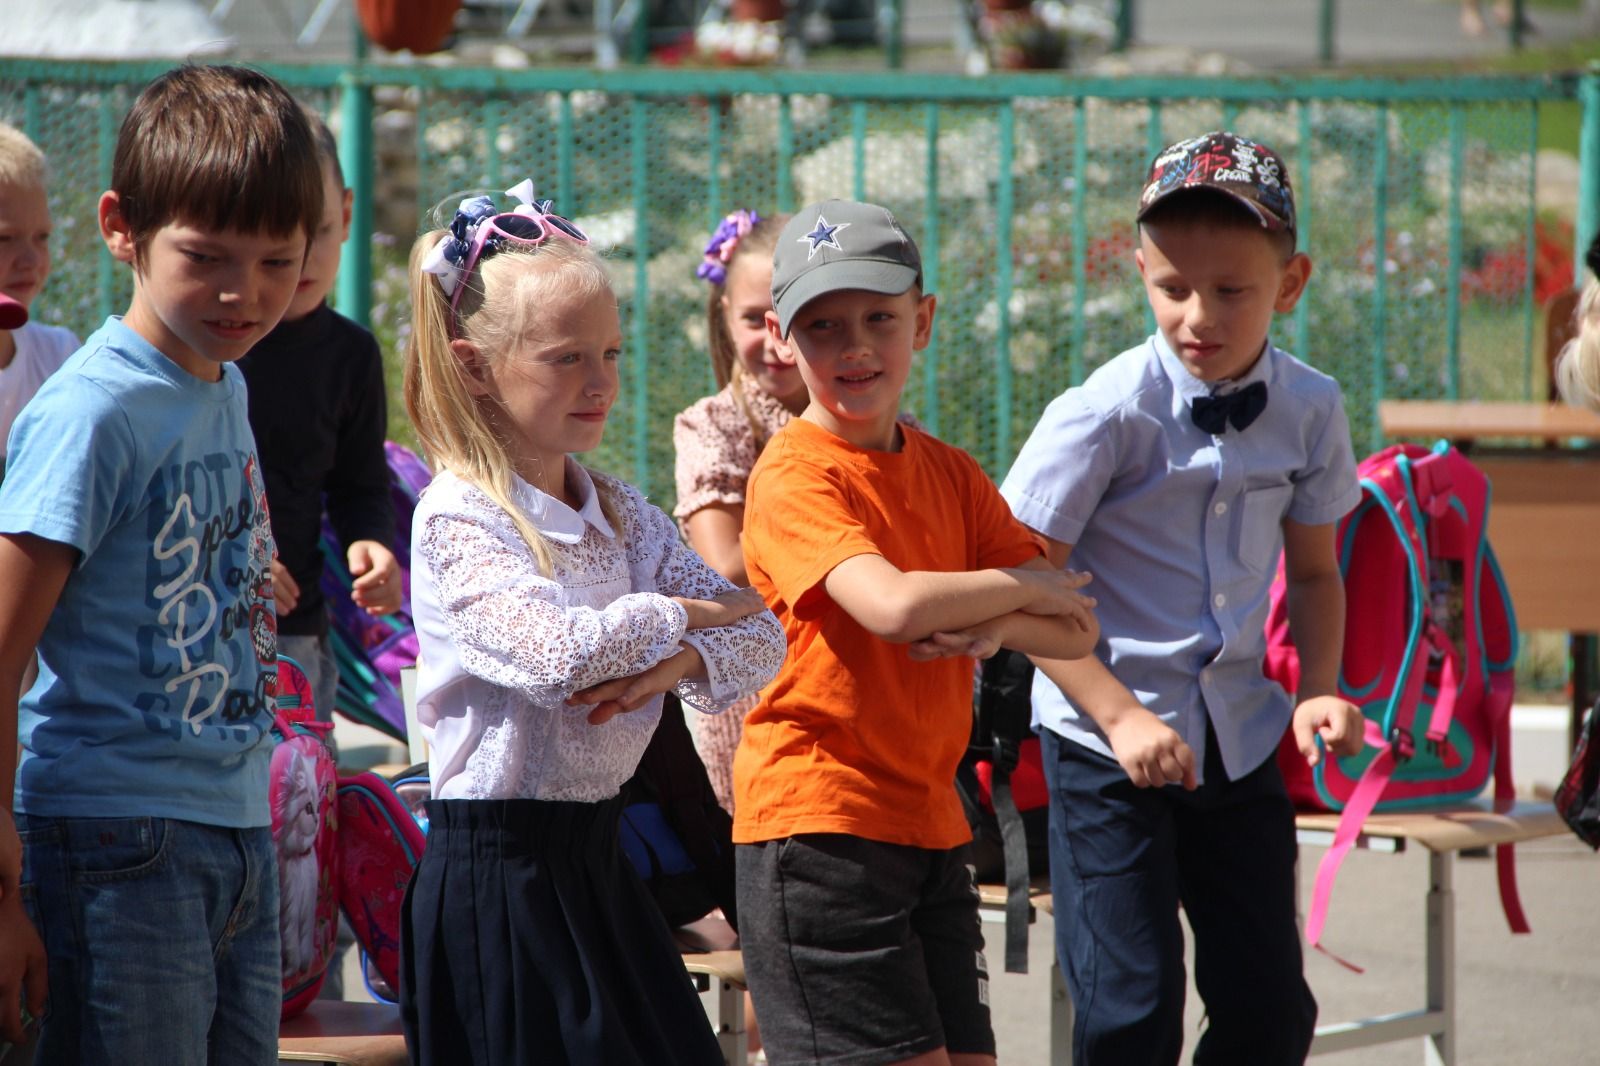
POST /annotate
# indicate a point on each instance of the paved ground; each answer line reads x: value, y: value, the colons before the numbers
x: 1522, y: 1000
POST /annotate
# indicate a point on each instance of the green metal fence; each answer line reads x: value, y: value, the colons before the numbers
x: 1417, y: 205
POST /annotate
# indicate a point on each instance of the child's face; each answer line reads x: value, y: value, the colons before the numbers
x: 205, y: 297
x: 551, y: 394
x: 853, y: 350
x: 24, y: 241
x: 746, y: 299
x: 1214, y: 290
x: 322, y: 262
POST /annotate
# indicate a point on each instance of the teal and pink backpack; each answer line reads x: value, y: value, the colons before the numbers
x: 382, y: 833
x: 1429, y: 648
x: 305, y: 826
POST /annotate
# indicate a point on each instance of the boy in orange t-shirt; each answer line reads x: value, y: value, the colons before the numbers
x: 892, y: 561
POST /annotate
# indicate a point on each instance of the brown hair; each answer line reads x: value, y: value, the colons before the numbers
x: 327, y: 144
x: 218, y: 147
x: 760, y: 241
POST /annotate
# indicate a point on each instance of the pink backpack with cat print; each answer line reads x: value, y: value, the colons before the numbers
x: 301, y: 783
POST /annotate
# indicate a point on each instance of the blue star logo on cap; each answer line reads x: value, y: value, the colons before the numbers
x: 823, y: 236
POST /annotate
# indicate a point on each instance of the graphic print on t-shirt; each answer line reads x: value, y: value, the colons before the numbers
x: 209, y: 579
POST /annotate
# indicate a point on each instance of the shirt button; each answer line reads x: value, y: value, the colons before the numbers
x: 1220, y: 600
x: 1220, y: 509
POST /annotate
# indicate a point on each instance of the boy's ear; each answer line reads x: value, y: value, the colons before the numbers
x: 474, y: 370
x: 1292, y: 282
x: 780, y: 344
x: 926, y: 306
x: 1138, y: 261
x: 346, y: 212
x: 114, y: 228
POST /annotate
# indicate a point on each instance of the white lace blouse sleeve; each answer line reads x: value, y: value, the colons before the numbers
x: 511, y: 625
x: 740, y: 658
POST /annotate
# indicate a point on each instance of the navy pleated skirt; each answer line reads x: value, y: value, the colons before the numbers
x: 528, y: 939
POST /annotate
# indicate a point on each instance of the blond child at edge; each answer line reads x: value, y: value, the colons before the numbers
x: 34, y: 352
x: 135, y: 551
x: 554, y: 606
x: 891, y: 560
x: 1175, y: 473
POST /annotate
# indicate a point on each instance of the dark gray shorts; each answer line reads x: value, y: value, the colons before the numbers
x: 859, y: 952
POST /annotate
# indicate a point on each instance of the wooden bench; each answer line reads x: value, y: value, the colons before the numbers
x: 369, y: 1034
x: 1443, y: 833
x: 335, y: 1031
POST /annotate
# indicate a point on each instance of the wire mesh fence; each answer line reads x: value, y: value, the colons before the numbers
x: 1417, y: 204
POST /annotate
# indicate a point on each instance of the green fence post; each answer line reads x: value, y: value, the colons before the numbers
x: 1515, y: 28
x: 639, y: 35
x: 892, y: 24
x: 106, y: 146
x: 1005, y: 208
x: 1452, y: 322
x: 1078, y: 352
x: 1380, y: 257
x: 354, y: 291
x: 1588, y: 166
x: 639, y: 343
x: 930, y: 262
x: 1325, y: 22
x: 1124, y: 35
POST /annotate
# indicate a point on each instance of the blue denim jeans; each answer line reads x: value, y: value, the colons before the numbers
x: 162, y: 937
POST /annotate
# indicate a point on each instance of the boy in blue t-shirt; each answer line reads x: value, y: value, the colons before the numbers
x: 1174, y: 474
x: 135, y: 550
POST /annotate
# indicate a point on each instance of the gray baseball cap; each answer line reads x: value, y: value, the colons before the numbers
x: 838, y: 245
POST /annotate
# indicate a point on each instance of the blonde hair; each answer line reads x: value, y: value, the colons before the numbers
x: 21, y: 162
x: 498, y: 304
x: 760, y: 242
x: 1578, y: 366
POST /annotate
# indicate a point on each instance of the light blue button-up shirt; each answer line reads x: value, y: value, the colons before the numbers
x: 1182, y: 531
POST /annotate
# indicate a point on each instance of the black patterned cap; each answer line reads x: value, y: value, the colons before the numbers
x: 1246, y: 170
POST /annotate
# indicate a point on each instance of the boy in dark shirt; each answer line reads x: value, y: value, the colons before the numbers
x: 318, y: 411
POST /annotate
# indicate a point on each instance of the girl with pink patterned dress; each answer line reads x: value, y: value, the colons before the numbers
x: 719, y: 437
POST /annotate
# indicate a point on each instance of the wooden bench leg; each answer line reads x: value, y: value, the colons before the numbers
x: 726, y: 1012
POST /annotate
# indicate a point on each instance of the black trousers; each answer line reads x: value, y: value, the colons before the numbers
x: 528, y: 939
x: 1122, y: 859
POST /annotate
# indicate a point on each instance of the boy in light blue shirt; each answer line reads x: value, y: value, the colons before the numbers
x: 1175, y: 474
x: 135, y: 551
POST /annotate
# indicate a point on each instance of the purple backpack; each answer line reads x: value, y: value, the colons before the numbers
x: 372, y: 650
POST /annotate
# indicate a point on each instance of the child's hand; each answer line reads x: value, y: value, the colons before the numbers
x: 623, y: 694
x: 1055, y: 592
x: 285, y: 590
x: 979, y: 642
x: 1152, y: 752
x: 23, y: 980
x: 376, y: 588
x: 1338, y: 722
x: 723, y: 610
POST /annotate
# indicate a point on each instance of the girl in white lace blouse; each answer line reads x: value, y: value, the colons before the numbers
x: 554, y: 606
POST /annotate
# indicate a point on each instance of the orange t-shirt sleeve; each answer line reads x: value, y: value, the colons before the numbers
x: 798, y: 526
x: 1002, y: 540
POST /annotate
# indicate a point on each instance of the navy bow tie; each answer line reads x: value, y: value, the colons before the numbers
x: 1241, y: 407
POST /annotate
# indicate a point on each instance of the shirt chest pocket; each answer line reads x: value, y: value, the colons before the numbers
x: 1261, y: 526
